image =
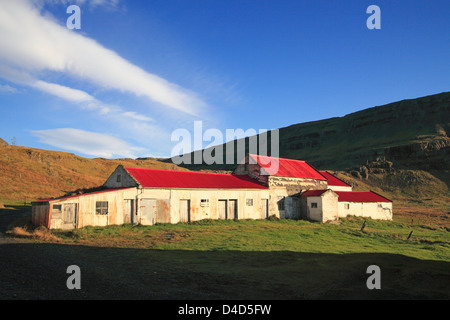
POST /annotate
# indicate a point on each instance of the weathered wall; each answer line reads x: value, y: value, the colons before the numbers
x: 329, y: 206
x: 86, y: 209
x: 374, y: 210
x: 285, y: 187
x: 251, y: 169
x: 340, y: 188
x: 197, y: 212
x: 314, y: 214
x: 326, y: 210
x: 294, y: 186
x: 40, y: 213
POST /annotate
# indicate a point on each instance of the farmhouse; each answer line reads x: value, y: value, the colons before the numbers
x: 259, y: 187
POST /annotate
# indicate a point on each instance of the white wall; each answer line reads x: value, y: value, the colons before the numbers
x: 340, y: 188
x: 197, y: 212
x: 374, y: 210
x: 86, y: 208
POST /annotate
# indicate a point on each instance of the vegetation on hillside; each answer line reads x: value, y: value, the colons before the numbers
x: 29, y: 174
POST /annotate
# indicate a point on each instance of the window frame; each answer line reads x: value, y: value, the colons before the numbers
x: 101, y: 209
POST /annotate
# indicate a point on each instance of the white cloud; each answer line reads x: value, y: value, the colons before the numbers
x: 32, y: 44
x: 88, y: 143
x: 135, y: 116
x: 63, y: 92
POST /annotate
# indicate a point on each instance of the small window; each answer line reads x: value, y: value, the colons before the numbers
x: 313, y: 204
x: 101, y: 207
x: 57, y: 207
x: 249, y: 202
x: 347, y: 206
x: 380, y: 205
x: 204, y: 203
x: 119, y: 178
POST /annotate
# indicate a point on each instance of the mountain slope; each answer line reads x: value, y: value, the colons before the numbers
x: 413, y: 133
x: 29, y: 174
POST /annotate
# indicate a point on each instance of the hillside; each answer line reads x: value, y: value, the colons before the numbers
x: 400, y: 150
x: 29, y: 174
x: 413, y: 133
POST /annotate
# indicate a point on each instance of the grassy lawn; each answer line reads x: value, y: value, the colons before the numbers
x: 245, y: 259
x: 425, y: 243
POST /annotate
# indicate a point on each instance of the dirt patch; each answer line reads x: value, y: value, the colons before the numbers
x: 422, y: 216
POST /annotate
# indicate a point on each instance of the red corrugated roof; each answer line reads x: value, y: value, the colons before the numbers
x: 350, y: 196
x: 333, y: 181
x: 287, y: 167
x: 156, y: 178
x: 80, y: 195
x: 360, y: 196
x: 313, y: 193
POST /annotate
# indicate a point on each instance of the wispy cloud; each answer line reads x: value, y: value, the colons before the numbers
x: 88, y: 143
x: 34, y: 44
x: 7, y: 89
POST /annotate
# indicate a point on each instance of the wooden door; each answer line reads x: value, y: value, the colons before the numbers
x: 129, y: 212
x: 148, y: 208
x: 264, y: 208
x: 69, y: 216
x: 185, y: 211
x: 232, y: 209
x: 222, y: 209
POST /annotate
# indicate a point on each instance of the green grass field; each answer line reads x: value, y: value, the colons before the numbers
x: 425, y: 243
x: 248, y: 259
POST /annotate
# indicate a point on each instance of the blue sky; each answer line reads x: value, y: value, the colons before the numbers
x: 138, y: 70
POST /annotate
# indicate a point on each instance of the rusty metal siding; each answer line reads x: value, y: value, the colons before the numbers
x: 40, y: 214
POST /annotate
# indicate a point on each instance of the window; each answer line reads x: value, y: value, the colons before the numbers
x: 57, y: 207
x: 347, y: 206
x: 313, y: 204
x: 101, y: 207
x: 204, y: 203
x: 119, y: 178
x: 249, y: 202
x: 380, y: 205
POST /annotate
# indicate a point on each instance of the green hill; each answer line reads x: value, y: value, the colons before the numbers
x: 413, y: 133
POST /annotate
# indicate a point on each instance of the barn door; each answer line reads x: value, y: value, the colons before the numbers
x: 129, y: 212
x: 148, y: 209
x: 232, y: 209
x: 264, y: 208
x: 185, y: 208
x: 222, y: 207
x: 69, y: 216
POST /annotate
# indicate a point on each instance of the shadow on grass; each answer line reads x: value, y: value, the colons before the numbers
x: 18, y: 214
x: 38, y: 271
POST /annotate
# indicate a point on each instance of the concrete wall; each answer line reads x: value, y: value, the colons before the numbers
x: 209, y: 211
x: 326, y: 210
x: 329, y: 206
x: 340, y: 188
x: 374, y: 210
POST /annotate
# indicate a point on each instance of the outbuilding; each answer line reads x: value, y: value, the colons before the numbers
x: 260, y: 187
